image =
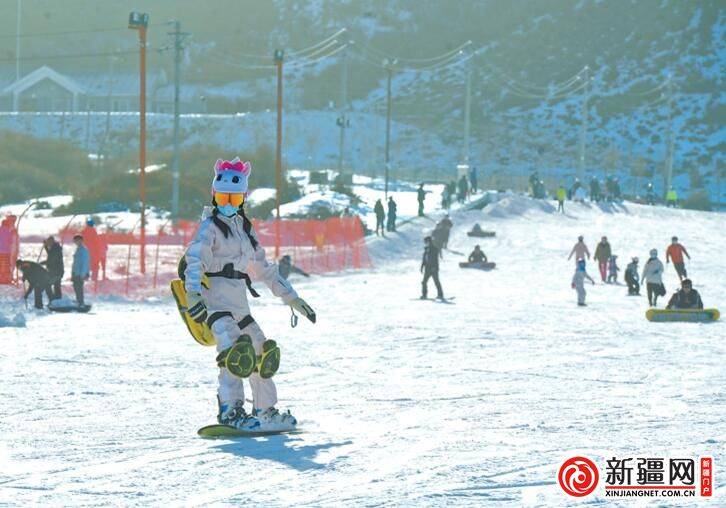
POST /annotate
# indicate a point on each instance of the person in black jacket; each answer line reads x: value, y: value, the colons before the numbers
x: 380, y: 217
x: 392, y: 208
x: 54, y: 264
x: 430, y: 268
x: 686, y: 297
x: 38, y: 280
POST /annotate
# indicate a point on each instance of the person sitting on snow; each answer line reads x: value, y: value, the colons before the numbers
x: 227, y: 252
x: 477, y: 256
x: 613, y: 270
x: 686, y: 297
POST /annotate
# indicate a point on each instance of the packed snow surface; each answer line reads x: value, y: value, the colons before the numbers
x: 401, y: 401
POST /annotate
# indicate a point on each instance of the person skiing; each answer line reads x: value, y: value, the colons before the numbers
x: 533, y: 182
x: 463, y: 189
x: 631, y: 277
x: 477, y: 256
x: 603, y: 252
x: 650, y: 194
x: 613, y: 270
x: 430, y: 269
x: 578, y: 282
x: 445, y: 225
x: 38, y: 280
x: 445, y: 198
x: 686, y: 297
x: 286, y: 268
x: 675, y: 252
x: 671, y: 197
x: 473, y: 179
x: 579, y: 250
x: 95, y: 246
x: 392, y: 207
x: 594, y: 190
x: 226, y: 252
x: 380, y: 217
x: 561, y: 196
x: 420, y: 196
x: 653, y: 275
x: 81, y: 269
x: 54, y: 264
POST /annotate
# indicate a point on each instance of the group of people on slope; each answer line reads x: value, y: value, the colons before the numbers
x: 460, y: 189
x: 652, y: 274
x: 390, y: 225
x: 46, y: 276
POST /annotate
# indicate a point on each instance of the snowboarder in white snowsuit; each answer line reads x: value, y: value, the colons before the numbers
x: 226, y: 250
x: 578, y: 282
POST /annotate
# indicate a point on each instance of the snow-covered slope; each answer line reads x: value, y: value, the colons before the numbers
x: 401, y: 401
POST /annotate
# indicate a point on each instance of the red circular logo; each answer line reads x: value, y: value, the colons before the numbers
x: 578, y: 476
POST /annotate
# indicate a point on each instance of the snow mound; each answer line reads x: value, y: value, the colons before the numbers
x: 517, y: 206
x: 17, y: 322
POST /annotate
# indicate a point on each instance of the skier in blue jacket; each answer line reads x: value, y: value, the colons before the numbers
x: 81, y: 268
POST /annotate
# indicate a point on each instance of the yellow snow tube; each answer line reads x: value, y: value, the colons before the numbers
x: 200, y: 331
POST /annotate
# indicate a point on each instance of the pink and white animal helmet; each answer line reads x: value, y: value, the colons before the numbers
x: 231, y: 176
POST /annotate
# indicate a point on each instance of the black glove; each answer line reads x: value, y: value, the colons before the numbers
x: 197, y: 309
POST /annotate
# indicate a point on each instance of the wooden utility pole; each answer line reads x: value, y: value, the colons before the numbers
x: 140, y: 21
x: 279, y: 57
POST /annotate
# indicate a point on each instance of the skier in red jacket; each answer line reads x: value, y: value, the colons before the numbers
x: 675, y: 252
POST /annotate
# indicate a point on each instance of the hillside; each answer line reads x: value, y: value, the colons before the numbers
x: 526, y: 49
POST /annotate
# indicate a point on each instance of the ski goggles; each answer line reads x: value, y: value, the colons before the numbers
x: 226, y: 198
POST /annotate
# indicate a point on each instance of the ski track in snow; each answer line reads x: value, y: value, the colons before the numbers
x: 402, y: 402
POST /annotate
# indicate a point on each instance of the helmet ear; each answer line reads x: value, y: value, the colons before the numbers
x: 217, y: 166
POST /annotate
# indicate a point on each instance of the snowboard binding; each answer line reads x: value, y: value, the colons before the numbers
x: 241, y: 361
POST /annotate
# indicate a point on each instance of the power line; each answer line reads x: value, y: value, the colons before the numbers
x: 73, y: 55
x: 416, y: 60
x: 317, y: 44
x: 71, y: 32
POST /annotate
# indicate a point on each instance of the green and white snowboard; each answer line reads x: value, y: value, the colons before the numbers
x: 219, y: 431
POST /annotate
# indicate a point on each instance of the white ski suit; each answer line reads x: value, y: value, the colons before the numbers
x: 210, y: 251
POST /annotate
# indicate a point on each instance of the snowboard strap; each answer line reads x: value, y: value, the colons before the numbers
x: 242, y: 323
x: 228, y: 272
x: 215, y: 316
x: 245, y: 322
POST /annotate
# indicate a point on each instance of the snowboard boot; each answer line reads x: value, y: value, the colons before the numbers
x: 240, y: 359
x: 272, y: 420
x: 236, y: 416
x: 269, y: 361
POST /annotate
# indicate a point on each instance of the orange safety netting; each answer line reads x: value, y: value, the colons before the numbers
x: 314, y: 246
x: 317, y: 246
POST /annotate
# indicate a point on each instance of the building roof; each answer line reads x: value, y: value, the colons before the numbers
x: 40, y: 74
